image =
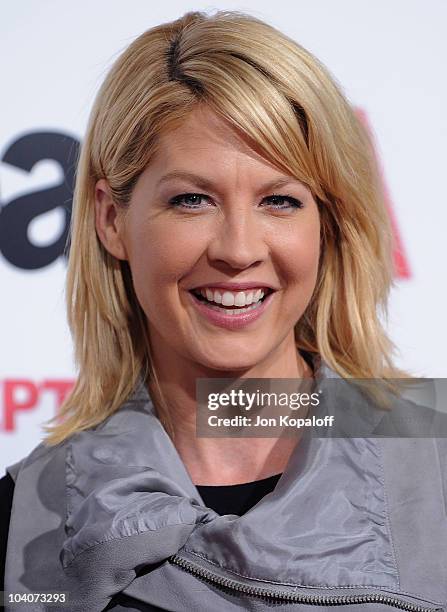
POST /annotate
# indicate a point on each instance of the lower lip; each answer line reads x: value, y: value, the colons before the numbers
x: 233, y: 321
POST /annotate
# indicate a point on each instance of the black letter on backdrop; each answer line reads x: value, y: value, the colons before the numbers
x: 16, y: 216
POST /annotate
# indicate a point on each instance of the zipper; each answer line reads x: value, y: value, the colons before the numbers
x: 299, y: 598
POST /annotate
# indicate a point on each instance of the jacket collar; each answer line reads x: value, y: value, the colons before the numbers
x: 127, y: 486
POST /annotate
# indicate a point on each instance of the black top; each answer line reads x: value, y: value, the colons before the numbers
x: 6, y: 492
x: 239, y: 498
x: 226, y: 499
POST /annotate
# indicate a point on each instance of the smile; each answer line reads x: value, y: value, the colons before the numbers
x: 230, y: 309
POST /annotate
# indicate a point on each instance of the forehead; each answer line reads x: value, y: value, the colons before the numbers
x: 205, y: 136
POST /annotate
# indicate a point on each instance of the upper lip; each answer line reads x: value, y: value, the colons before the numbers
x: 235, y: 286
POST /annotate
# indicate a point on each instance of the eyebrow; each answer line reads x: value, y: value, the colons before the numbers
x: 204, y: 183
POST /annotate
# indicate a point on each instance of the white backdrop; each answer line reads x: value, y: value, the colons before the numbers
x: 389, y: 57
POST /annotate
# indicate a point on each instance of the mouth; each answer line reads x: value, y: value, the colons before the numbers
x: 196, y: 293
x: 230, y: 315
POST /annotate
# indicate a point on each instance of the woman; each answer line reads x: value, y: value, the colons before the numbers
x: 228, y: 223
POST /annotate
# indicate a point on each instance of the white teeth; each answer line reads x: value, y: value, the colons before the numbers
x: 228, y: 299
x: 234, y: 311
x: 240, y: 299
x: 232, y: 298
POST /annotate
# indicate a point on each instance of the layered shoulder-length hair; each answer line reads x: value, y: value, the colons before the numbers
x: 283, y: 102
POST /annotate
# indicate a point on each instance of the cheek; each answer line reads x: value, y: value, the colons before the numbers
x: 300, y: 254
x: 159, y: 257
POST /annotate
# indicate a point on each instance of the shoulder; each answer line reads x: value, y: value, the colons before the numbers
x: 42, y: 467
x: 38, y: 480
x: 46, y: 461
x: 40, y: 451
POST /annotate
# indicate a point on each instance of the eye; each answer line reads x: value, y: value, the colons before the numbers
x: 188, y: 200
x: 194, y: 200
x: 279, y: 200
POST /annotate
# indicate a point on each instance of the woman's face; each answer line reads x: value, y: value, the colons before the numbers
x: 206, y: 215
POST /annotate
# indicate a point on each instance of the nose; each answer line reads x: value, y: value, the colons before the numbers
x: 239, y: 240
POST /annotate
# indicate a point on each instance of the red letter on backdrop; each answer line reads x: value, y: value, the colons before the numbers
x: 401, y: 265
x: 60, y: 387
x: 12, y: 405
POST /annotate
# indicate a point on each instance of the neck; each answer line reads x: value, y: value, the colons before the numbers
x: 210, y: 460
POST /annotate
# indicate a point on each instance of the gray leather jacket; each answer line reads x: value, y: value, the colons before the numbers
x: 112, y: 518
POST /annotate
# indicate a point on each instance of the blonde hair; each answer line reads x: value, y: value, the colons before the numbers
x: 286, y: 104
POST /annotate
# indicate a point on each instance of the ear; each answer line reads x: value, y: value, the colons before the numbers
x: 109, y: 220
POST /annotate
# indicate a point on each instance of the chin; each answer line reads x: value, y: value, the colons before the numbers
x: 231, y: 361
